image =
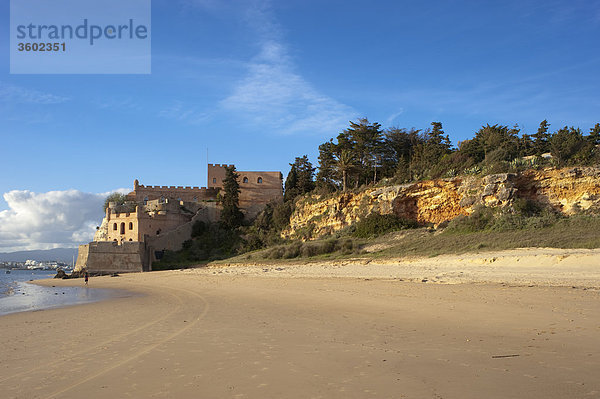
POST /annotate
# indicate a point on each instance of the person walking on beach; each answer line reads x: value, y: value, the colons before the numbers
x: 86, y: 277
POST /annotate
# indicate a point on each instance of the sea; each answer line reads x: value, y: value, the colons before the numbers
x: 18, y: 295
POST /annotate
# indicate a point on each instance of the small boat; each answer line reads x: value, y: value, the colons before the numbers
x: 8, y: 272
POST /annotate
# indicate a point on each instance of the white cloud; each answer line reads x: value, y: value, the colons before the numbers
x: 49, y: 220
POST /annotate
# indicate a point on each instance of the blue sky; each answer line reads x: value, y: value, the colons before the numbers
x: 258, y: 83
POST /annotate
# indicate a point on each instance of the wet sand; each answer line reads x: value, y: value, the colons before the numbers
x: 195, y: 334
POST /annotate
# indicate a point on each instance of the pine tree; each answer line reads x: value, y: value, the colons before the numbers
x: 541, y: 138
x: 326, y: 179
x: 594, y: 136
x: 231, y: 216
x: 291, y: 185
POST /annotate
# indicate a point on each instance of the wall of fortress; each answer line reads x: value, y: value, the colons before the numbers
x: 143, y: 193
x: 111, y: 257
x: 256, y: 188
x: 147, y: 220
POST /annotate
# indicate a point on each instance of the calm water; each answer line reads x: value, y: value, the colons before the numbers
x: 17, y: 295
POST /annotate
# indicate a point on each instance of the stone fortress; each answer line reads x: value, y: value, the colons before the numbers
x: 159, y: 218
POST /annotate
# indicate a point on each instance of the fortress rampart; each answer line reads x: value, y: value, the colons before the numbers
x: 143, y: 193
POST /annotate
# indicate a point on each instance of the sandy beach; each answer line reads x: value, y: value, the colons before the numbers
x: 297, y: 332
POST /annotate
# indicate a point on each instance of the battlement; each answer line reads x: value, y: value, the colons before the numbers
x: 217, y: 165
x: 176, y: 188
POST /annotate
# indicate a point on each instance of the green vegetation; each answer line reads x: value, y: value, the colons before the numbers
x: 375, y: 225
x: 366, y: 154
x: 231, y: 216
x: 118, y: 198
x: 209, y: 241
x: 582, y: 231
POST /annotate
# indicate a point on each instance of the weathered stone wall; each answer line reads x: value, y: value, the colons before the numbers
x: 172, y: 240
x: 111, y: 257
x: 142, y: 193
x: 437, y: 201
x: 256, y: 188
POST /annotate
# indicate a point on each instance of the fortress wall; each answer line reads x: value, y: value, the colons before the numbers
x: 172, y: 240
x: 189, y: 194
x: 216, y: 174
x: 252, y: 200
x: 110, y: 257
x: 256, y: 188
x: 161, y: 223
x: 82, y: 257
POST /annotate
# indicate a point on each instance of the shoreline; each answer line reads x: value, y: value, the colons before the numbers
x: 44, y: 294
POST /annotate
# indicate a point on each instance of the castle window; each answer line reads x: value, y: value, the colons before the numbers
x: 195, y: 199
x: 130, y: 225
x: 162, y: 200
x: 130, y: 239
x: 122, y: 227
x: 259, y: 180
x: 114, y: 226
x: 245, y: 179
x: 145, y: 200
x: 214, y: 180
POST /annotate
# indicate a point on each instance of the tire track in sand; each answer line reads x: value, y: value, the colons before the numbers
x: 145, y: 351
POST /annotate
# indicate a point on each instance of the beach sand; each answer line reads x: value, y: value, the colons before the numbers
x: 279, y: 332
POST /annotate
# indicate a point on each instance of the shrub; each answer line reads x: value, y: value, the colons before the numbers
x: 376, y: 224
x: 198, y: 228
x: 526, y: 207
x: 479, y: 220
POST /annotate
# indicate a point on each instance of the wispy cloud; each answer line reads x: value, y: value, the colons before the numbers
x: 390, y: 119
x: 16, y: 94
x: 271, y: 94
x: 182, y: 112
x: 49, y: 220
x: 120, y: 103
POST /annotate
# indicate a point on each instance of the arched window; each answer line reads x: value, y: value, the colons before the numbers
x: 130, y: 225
x: 122, y: 227
x: 245, y: 179
x: 259, y: 180
x: 130, y: 239
x: 114, y: 226
x: 195, y: 199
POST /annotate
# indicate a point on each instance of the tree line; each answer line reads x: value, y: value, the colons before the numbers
x: 364, y: 153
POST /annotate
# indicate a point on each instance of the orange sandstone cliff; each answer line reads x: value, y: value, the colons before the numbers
x: 437, y: 201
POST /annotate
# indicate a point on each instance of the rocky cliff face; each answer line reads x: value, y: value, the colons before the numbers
x: 437, y: 201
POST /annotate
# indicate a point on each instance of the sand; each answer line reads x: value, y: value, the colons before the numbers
x: 260, y: 332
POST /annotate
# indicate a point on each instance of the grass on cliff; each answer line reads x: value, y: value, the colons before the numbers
x: 574, y: 232
x: 479, y: 233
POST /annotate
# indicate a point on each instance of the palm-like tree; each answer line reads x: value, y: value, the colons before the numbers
x: 345, y: 163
